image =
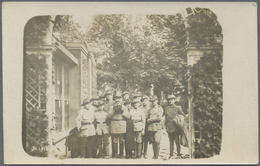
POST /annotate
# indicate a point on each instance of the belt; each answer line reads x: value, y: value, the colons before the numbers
x: 117, y: 120
x: 101, y: 123
x: 135, y: 121
x: 86, y: 123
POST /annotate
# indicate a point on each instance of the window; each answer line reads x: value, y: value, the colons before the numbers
x: 61, y: 77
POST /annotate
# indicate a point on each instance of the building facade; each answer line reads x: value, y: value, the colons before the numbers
x: 58, y: 75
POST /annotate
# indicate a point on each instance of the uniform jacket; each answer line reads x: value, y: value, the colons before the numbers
x: 101, y: 122
x: 85, y: 124
x: 138, y: 118
x: 108, y: 106
x: 155, y: 115
x: 170, y: 117
x: 118, y: 116
x: 146, y: 110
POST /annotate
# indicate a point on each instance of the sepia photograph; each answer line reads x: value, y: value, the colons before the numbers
x: 131, y: 87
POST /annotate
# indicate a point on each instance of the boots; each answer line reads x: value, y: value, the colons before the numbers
x: 82, y: 152
x: 178, y: 149
x: 139, y: 150
x: 100, y: 151
x: 145, y: 149
x: 135, y: 151
x: 171, y: 148
x: 114, y: 150
x: 156, y: 150
x: 121, y: 147
x: 106, y: 150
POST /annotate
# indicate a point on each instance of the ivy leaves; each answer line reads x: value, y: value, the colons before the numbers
x: 206, y: 79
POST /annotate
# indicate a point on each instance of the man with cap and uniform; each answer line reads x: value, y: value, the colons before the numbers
x: 118, y: 115
x: 94, y: 102
x: 109, y: 101
x: 145, y: 137
x: 129, y: 135
x: 138, y: 118
x: 155, y: 125
x: 101, y: 120
x: 125, y: 96
x: 172, y: 129
x: 86, y: 129
x: 138, y: 96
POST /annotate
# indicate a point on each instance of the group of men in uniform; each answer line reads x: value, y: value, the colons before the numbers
x: 131, y: 123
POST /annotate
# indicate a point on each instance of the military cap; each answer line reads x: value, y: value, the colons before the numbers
x: 85, y: 101
x: 144, y: 97
x: 153, y: 98
x: 128, y: 101
x: 100, y: 103
x: 102, y: 97
x: 171, y: 97
x: 125, y: 92
x: 94, y: 98
x: 136, y: 101
x: 117, y: 95
x: 138, y: 94
x: 108, y: 93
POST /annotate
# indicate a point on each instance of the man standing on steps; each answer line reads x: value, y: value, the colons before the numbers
x: 155, y: 125
x: 86, y: 129
x: 145, y: 137
x: 172, y: 129
x: 118, y: 115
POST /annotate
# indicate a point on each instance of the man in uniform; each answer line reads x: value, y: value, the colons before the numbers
x: 138, y: 118
x: 109, y: 101
x: 138, y: 96
x: 86, y: 129
x: 102, y: 136
x: 125, y: 96
x: 172, y: 129
x: 94, y: 102
x: 145, y: 138
x: 118, y: 115
x: 155, y: 125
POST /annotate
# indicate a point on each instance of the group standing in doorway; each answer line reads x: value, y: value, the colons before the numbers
x: 131, y: 124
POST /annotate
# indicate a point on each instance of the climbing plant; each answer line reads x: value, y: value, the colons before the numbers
x: 36, y: 119
x: 206, y: 80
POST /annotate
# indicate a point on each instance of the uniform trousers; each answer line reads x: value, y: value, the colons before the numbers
x: 86, y: 146
x: 174, y: 137
x: 117, y: 138
x: 103, y: 140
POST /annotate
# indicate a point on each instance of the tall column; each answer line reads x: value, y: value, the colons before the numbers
x: 47, y: 41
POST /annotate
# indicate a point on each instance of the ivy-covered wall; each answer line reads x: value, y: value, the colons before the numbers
x: 36, y: 119
x: 85, y: 77
x: 207, y: 92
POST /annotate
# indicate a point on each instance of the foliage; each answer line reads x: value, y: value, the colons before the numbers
x: 36, y: 119
x: 204, y: 28
x: 135, y: 51
x: 36, y: 133
x: 35, y: 28
x: 206, y: 80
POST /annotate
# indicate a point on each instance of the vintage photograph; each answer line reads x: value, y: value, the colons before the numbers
x: 123, y: 86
